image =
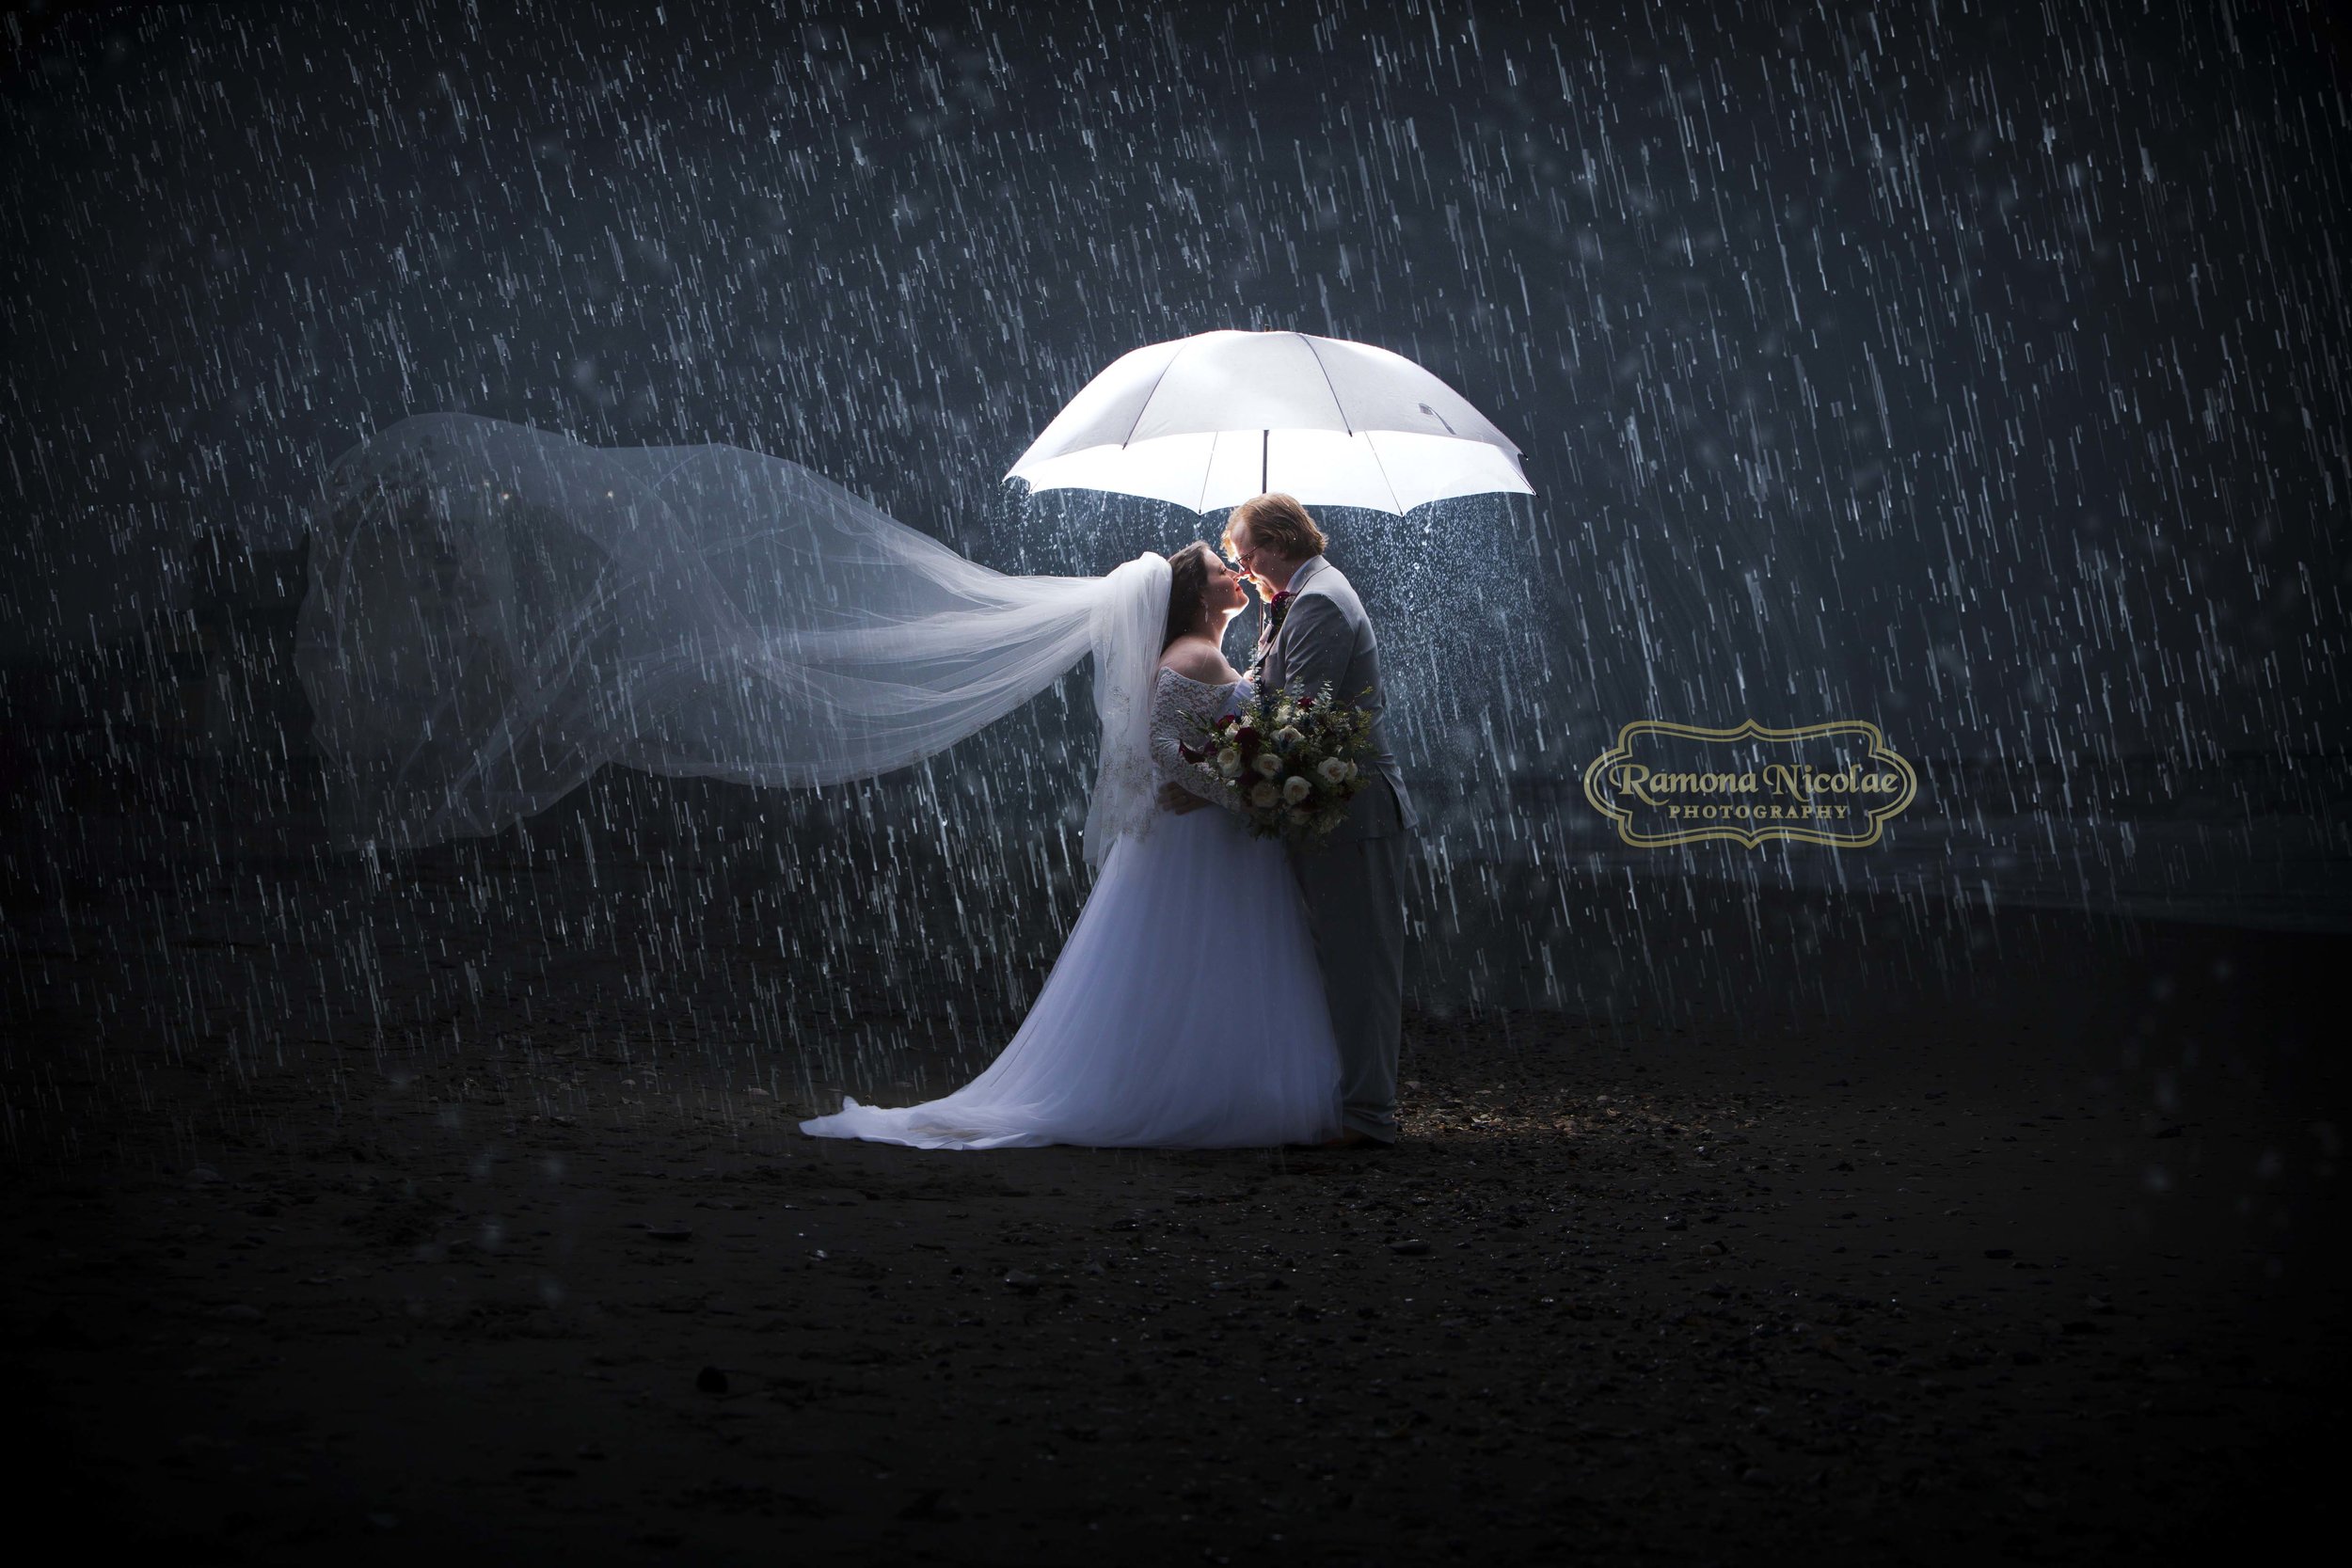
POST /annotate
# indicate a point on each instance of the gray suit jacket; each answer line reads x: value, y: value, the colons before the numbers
x: 1326, y: 636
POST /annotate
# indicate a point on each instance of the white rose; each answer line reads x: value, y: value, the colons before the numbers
x: 1268, y: 765
x: 1288, y: 735
x: 1332, y: 770
x: 1263, y: 795
x: 1296, y: 789
x: 1228, y: 761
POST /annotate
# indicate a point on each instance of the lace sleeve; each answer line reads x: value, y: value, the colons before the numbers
x: 1177, y: 697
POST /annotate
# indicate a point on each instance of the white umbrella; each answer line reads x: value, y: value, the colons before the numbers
x: 1210, y: 420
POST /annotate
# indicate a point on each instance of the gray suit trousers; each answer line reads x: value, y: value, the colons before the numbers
x: 1354, y: 892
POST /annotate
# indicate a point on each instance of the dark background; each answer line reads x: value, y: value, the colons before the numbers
x: 1975, y: 369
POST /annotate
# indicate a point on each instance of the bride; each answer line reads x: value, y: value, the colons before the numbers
x: 495, y: 611
x: 1186, y: 1011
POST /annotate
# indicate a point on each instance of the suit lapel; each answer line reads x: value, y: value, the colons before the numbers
x: 1269, y: 654
x: 1266, y: 661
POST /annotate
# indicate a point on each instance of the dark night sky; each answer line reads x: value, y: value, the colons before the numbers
x: 1977, y: 369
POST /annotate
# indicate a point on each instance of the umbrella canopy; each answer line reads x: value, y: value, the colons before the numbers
x: 1210, y: 420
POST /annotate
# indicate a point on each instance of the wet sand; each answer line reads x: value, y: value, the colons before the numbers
x: 2043, y: 1263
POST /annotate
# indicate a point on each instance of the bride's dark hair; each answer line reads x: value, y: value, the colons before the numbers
x: 1187, y: 586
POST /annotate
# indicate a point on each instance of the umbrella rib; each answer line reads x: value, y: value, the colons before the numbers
x: 1328, y: 387
x: 1366, y: 439
x: 1150, y: 395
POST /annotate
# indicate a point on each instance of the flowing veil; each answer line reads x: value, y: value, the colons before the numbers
x: 496, y: 611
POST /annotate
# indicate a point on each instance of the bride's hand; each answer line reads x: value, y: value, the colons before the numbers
x: 1179, y: 800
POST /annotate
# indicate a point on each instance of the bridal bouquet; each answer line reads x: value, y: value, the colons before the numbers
x: 1290, y: 761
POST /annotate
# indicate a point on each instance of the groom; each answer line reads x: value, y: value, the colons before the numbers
x: 1314, y: 631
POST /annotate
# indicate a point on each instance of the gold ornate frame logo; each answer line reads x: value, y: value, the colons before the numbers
x: 1895, y: 785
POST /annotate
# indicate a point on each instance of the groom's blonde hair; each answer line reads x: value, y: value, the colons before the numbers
x: 1278, y: 523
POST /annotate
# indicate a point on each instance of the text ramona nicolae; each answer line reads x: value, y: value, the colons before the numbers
x: 1653, y: 788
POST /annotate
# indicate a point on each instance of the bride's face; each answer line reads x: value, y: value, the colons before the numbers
x: 1224, y: 596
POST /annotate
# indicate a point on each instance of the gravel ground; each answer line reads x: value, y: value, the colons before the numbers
x: 2038, y: 1261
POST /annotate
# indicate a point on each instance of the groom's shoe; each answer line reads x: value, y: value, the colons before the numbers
x: 1349, y: 1139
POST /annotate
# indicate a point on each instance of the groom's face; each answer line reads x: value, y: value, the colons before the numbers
x: 1246, y: 553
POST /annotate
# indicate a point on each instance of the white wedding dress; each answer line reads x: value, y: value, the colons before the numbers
x: 1186, y: 1011
x: 495, y: 612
